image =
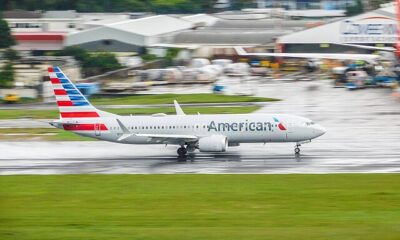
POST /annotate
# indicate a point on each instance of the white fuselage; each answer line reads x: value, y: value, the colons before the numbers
x: 238, y: 128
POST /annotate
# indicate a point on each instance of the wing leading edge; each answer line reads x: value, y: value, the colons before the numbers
x: 338, y: 56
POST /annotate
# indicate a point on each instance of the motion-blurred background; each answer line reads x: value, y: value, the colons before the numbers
x: 120, y: 53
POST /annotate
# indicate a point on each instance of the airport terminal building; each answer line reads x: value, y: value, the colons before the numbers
x: 375, y: 28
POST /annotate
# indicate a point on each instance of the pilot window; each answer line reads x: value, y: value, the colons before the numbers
x: 309, y: 123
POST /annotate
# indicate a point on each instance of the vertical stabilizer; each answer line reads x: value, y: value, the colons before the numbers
x: 70, y: 101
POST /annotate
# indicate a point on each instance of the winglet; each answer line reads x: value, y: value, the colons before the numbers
x: 178, y: 108
x: 126, y: 133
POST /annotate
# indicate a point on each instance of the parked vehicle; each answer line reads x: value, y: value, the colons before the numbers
x: 11, y: 98
x: 357, y: 80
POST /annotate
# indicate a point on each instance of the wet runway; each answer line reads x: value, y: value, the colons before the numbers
x: 363, y: 137
x: 102, y: 157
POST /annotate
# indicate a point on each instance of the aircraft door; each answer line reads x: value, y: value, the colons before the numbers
x: 97, y: 131
x: 290, y: 132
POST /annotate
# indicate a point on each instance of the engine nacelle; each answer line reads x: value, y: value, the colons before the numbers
x: 214, y: 143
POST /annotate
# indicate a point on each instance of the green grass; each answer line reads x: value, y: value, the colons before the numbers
x: 39, y: 134
x: 181, y: 98
x: 52, y: 114
x: 364, y: 206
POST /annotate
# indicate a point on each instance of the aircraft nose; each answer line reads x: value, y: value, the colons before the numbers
x: 319, y: 130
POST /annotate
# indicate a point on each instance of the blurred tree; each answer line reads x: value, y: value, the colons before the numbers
x: 92, y: 63
x: 240, y: 4
x: 376, y: 3
x: 11, y: 54
x: 6, y: 40
x: 207, y: 5
x: 159, y: 6
x: 7, y: 76
x: 78, y: 53
x: 171, y: 54
x: 98, y: 63
x: 358, y: 8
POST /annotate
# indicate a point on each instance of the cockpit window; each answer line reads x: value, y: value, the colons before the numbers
x: 309, y: 123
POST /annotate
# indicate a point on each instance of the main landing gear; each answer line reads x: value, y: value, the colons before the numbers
x: 182, y: 152
x: 297, y: 149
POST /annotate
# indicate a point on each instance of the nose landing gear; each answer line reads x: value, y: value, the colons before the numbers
x: 297, y: 149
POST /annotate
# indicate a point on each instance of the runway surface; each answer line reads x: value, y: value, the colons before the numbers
x: 101, y: 157
x: 363, y: 137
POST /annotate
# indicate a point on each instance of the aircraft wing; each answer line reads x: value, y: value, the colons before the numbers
x: 161, y: 138
x: 385, y: 49
x: 170, y: 138
x: 338, y: 56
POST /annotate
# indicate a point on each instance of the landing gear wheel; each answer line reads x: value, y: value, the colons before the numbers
x: 182, y: 152
x: 297, y: 150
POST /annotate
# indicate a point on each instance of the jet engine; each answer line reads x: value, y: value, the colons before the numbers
x: 214, y: 143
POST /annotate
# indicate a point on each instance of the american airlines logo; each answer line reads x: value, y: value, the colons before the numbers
x: 244, y: 126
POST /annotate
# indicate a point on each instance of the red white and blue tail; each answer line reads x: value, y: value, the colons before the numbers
x: 70, y: 101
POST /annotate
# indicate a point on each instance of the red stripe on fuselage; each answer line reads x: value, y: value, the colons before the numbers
x: 60, y: 92
x: 79, y: 114
x: 50, y: 69
x: 84, y: 127
x: 55, y: 80
x: 64, y: 103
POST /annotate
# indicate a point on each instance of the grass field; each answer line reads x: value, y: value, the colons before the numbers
x: 181, y: 98
x: 363, y: 206
x: 39, y: 134
x: 53, y: 114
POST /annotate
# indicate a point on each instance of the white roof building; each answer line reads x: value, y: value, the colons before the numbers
x: 376, y: 27
x: 201, y: 19
x: 130, y: 34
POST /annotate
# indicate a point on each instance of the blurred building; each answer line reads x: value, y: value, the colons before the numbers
x: 375, y: 28
x: 306, y: 4
x: 36, y: 31
x: 129, y: 35
x: 238, y: 29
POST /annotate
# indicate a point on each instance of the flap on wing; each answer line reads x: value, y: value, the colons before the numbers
x: 190, y: 138
x: 167, y: 136
x: 338, y: 56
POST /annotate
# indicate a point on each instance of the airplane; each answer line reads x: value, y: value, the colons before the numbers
x: 207, y: 133
x: 371, y: 58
